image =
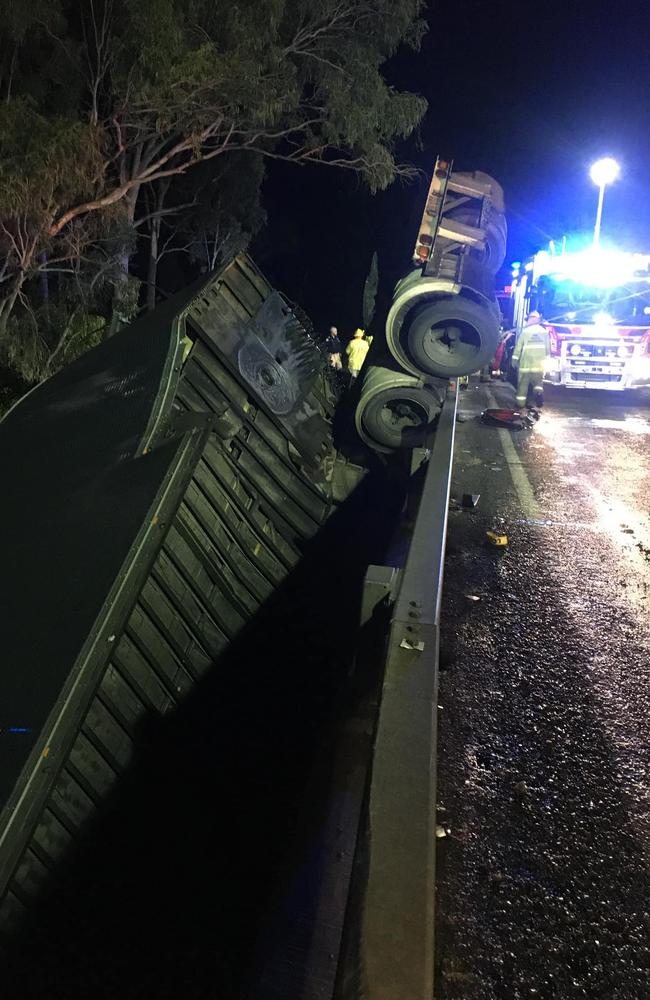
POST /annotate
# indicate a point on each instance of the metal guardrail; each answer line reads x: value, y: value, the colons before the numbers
x: 388, y: 943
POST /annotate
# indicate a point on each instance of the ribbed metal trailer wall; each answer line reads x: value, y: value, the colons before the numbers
x: 239, y: 492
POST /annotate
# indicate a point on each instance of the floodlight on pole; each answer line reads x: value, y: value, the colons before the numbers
x: 602, y: 173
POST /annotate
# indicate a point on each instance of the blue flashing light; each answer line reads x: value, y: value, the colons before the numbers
x: 595, y: 267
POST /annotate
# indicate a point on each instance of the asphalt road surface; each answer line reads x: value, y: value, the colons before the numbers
x: 544, y: 774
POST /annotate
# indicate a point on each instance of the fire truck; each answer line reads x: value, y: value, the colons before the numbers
x: 595, y: 304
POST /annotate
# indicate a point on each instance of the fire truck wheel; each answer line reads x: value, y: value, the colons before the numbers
x: 452, y: 336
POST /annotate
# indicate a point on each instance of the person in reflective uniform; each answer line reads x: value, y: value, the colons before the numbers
x: 356, y: 353
x: 529, y: 358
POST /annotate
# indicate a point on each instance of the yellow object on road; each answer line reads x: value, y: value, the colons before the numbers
x: 496, y: 539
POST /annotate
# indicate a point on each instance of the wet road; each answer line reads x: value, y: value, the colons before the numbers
x: 544, y: 774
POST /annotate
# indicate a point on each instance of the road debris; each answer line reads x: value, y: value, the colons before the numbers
x: 496, y: 538
x: 502, y: 417
x: 468, y: 501
x: 513, y: 420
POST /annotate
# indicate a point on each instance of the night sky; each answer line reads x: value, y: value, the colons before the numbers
x: 531, y: 93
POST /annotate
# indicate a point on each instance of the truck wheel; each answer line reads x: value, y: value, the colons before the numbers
x: 452, y: 336
x: 396, y: 410
x: 496, y: 234
x: 495, y: 243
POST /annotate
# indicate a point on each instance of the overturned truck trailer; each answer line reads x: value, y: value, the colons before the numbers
x: 157, y: 492
x: 191, y: 569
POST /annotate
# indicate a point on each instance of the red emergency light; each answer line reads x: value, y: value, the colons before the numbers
x: 646, y: 342
x: 555, y: 341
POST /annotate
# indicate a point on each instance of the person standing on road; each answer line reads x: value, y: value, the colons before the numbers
x: 333, y: 349
x: 529, y: 358
x: 356, y: 353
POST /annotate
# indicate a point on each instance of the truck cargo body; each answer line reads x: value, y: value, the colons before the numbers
x: 162, y: 488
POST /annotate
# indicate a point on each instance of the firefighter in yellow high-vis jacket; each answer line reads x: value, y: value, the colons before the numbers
x: 356, y: 353
x: 529, y: 358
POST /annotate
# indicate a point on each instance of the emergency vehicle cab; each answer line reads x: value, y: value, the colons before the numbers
x: 595, y: 305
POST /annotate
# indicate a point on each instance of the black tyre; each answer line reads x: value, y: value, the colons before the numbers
x: 495, y: 243
x: 496, y: 234
x: 398, y: 416
x: 452, y: 336
x: 398, y: 421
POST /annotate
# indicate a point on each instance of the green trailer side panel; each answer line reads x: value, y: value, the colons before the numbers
x: 167, y: 495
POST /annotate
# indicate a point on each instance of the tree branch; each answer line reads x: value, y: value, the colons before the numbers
x: 160, y: 213
x: 153, y: 172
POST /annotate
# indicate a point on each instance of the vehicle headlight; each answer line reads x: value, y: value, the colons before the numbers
x: 575, y: 349
x: 624, y: 350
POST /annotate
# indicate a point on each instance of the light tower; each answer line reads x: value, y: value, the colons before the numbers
x: 603, y: 172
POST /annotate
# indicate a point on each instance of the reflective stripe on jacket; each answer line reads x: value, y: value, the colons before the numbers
x: 532, y: 348
x: 356, y: 352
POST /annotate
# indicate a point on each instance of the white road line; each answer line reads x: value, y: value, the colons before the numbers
x: 520, y: 480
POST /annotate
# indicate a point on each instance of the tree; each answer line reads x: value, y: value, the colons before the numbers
x: 370, y: 290
x: 228, y: 211
x: 209, y: 218
x: 142, y: 92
